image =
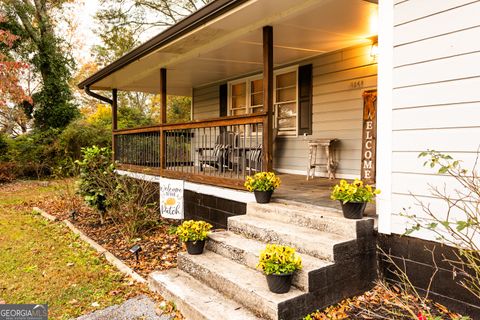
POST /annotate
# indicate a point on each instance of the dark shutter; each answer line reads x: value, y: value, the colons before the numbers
x: 223, y: 100
x: 305, y: 99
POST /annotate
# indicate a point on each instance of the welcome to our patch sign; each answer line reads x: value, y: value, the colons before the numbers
x: 171, y: 199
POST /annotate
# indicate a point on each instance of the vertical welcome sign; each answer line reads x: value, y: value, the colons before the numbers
x: 171, y: 199
x: 369, y: 136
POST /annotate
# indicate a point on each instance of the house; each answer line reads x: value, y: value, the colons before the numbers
x: 273, y: 81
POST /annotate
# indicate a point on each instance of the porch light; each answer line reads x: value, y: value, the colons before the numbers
x: 374, y: 47
x: 136, y: 251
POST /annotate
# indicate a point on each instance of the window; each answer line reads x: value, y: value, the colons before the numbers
x: 256, y: 96
x: 238, y: 104
x: 246, y: 96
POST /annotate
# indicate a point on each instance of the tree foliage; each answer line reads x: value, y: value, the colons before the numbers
x: 142, y: 15
x: 33, y: 22
x: 12, y: 94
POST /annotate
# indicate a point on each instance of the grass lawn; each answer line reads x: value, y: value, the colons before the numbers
x: 43, y: 262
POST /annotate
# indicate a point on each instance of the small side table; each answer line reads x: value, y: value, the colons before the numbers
x: 328, y: 147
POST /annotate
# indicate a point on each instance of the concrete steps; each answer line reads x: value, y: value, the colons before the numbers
x: 305, y: 240
x: 240, y: 283
x: 338, y: 261
x: 247, y: 251
x: 195, y: 299
x: 324, y: 219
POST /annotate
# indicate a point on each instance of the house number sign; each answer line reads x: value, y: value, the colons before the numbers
x: 369, y: 136
x: 171, y: 198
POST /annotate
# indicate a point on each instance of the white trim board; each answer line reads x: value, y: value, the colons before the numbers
x: 384, y: 115
x: 225, y: 193
x: 219, y: 192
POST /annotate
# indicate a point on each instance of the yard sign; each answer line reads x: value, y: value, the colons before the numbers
x: 369, y: 141
x: 171, y: 198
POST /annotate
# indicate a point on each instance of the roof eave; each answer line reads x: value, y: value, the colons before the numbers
x: 203, y: 15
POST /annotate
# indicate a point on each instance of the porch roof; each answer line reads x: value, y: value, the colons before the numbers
x: 223, y: 40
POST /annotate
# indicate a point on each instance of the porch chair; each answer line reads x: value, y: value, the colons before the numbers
x: 218, y: 156
x: 254, y: 160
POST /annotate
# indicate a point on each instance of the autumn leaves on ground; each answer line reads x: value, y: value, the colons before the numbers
x: 43, y: 262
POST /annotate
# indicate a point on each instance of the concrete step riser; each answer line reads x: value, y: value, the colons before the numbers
x: 271, y: 236
x: 300, y: 279
x: 196, y: 301
x: 315, y: 219
x: 231, y: 290
x: 188, y: 311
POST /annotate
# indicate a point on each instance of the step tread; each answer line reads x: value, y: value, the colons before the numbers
x: 202, y: 300
x: 251, y: 281
x: 334, y: 212
x: 319, y: 211
x: 304, y: 233
x: 254, y: 247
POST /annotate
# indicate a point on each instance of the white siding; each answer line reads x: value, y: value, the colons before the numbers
x: 337, y: 110
x: 206, y: 102
x: 436, y: 97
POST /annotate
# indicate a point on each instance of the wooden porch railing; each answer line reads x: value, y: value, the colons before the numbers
x: 216, y: 151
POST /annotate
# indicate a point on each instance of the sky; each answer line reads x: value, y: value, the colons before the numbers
x: 86, y: 10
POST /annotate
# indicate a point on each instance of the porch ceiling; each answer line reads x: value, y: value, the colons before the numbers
x: 231, y: 45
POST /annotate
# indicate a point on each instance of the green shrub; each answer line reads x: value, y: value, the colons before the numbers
x: 80, y: 134
x: 8, y: 172
x: 3, y: 147
x: 133, y: 205
x: 96, y: 176
x: 35, y: 153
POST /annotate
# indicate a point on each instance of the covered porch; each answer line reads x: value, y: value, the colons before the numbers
x: 265, y: 77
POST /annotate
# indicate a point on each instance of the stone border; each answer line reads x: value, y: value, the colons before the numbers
x: 119, y: 264
x: 45, y: 214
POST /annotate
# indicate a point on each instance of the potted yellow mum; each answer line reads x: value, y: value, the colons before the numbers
x: 193, y: 234
x: 279, y: 263
x: 262, y: 184
x: 353, y: 197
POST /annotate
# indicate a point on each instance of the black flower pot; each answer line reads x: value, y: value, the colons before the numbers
x: 195, y: 247
x: 279, y: 283
x: 353, y: 210
x: 263, y: 196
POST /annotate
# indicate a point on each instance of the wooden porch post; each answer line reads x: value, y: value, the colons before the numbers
x: 268, y: 96
x: 114, y: 120
x: 163, y: 115
x: 163, y: 95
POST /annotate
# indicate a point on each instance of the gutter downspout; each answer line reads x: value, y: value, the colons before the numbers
x: 113, y: 104
x: 97, y: 96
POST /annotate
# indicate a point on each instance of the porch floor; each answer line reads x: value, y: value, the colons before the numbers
x: 315, y: 191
